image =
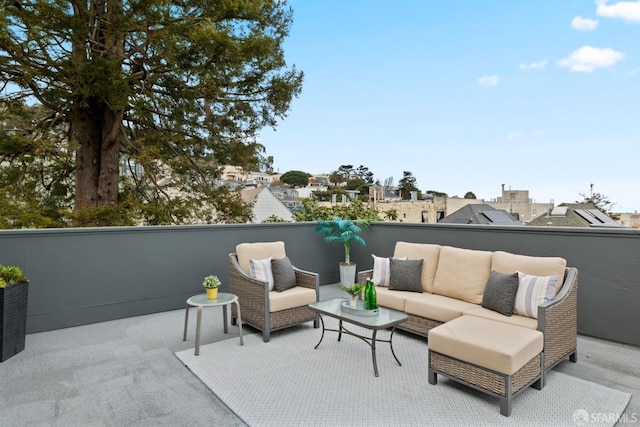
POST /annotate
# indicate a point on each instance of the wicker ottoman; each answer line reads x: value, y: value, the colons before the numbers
x: 494, y: 357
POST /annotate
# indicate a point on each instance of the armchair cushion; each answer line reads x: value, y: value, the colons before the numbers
x: 262, y: 250
x: 284, y: 277
x: 260, y: 269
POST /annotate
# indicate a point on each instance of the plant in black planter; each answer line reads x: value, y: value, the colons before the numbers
x: 14, y: 291
x: 344, y: 231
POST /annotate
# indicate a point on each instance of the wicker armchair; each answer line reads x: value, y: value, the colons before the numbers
x: 268, y: 310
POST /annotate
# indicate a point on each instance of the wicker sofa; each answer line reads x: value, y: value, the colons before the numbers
x: 453, y: 281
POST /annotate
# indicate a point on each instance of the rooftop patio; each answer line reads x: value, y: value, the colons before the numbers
x: 111, y: 279
x: 123, y: 372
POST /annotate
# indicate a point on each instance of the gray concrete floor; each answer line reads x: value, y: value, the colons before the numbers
x: 124, y: 373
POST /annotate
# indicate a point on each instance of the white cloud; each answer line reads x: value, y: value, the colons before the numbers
x: 583, y: 24
x: 627, y: 10
x: 540, y: 65
x: 587, y: 59
x: 493, y: 80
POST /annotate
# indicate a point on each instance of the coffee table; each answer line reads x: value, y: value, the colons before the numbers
x: 385, y: 319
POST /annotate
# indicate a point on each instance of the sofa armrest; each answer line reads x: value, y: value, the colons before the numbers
x: 558, y: 320
x: 364, y: 275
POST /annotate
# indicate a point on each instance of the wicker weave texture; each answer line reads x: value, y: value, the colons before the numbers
x: 419, y: 325
x: 253, y: 298
x: 13, y: 319
x: 485, y: 379
x: 561, y: 327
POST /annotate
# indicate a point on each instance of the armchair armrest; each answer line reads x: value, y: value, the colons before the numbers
x: 253, y: 293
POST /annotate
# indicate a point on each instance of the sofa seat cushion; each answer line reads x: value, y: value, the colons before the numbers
x: 524, y: 321
x: 508, y: 263
x: 493, y: 345
x: 462, y: 273
x: 394, y: 300
x: 291, y: 298
x: 425, y: 251
x: 436, y: 307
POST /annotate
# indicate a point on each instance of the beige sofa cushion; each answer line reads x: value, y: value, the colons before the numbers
x: 291, y: 298
x: 509, y: 263
x: 436, y: 307
x: 462, y: 273
x: 494, y: 345
x: 524, y: 321
x: 391, y: 299
x: 262, y: 250
x: 426, y: 251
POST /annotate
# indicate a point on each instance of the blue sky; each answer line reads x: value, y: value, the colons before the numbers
x: 467, y: 95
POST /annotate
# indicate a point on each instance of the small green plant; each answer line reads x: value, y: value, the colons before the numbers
x: 353, y: 289
x: 211, y: 282
x: 10, y: 275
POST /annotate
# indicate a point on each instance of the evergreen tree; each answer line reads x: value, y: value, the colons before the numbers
x: 161, y: 93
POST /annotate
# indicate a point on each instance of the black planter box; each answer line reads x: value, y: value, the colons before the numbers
x: 13, y: 319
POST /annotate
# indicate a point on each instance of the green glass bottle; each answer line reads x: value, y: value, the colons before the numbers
x: 370, y: 297
x: 373, y: 297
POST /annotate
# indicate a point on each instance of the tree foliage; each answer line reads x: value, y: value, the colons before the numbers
x: 296, y: 179
x: 139, y: 103
x: 356, y: 210
x: 406, y: 185
x: 599, y: 200
x: 470, y: 195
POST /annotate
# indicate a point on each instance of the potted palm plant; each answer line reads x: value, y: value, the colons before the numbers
x: 14, y: 291
x: 345, y: 231
x: 211, y: 284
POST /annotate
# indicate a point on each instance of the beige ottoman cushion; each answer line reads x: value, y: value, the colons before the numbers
x: 487, y: 343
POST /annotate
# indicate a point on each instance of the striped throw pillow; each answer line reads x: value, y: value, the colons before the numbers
x: 381, y: 270
x: 260, y: 269
x: 533, y: 291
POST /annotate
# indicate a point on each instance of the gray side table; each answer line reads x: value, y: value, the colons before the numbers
x: 200, y: 301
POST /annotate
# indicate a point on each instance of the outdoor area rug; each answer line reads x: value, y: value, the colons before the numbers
x: 285, y: 382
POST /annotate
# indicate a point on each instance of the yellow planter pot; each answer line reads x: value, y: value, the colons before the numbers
x: 212, y: 293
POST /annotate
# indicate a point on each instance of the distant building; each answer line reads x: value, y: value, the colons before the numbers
x: 265, y: 204
x: 480, y: 214
x: 574, y: 215
x: 519, y: 205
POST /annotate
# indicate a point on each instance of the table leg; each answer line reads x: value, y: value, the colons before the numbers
x: 373, y: 352
x: 321, y: 336
x: 391, y: 345
x: 186, y: 322
x: 239, y: 322
x: 198, y: 321
x: 224, y: 318
x: 339, y: 331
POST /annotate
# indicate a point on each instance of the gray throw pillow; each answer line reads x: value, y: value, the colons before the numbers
x: 500, y: 292
x: 284, y: 277
x: 405, y: 275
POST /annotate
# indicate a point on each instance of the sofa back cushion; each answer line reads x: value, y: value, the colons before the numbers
x: 462, y: 273
x: 262, y: 250
x: 425, y: 251
x: 508, y: 263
